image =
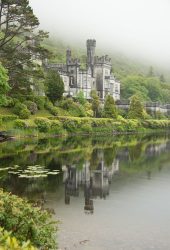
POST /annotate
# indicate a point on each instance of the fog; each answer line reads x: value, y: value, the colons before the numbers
x: 135, y: 27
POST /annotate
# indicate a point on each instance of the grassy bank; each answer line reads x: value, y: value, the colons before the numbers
x: 63, y: 125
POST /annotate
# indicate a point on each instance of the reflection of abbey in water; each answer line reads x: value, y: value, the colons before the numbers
x: 96, y: 182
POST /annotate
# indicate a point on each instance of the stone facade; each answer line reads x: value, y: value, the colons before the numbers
x: 97, y: 75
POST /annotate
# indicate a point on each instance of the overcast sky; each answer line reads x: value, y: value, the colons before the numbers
x: 140, y: 27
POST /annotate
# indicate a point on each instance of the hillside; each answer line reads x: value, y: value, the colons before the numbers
x: 122, y: 65
x: 151, y: 83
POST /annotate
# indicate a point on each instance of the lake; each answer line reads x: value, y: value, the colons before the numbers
x: 109, y: 193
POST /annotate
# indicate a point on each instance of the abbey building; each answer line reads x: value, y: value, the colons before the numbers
x: 97, y: 75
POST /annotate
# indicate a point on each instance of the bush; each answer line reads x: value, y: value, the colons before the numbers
x: 156, y: 124
x: 7, y: 242
x: 24, y: 114
x: 51, y: 108
x: 43, y: 124
x: 88, y: 109
x: 8, y: 118
x: 20, y: 124
x: 31, y: 106
x: 26, y: 222
x: 75, y: 109
x: 21, y: 110
x: 9, y: 102
x: 74, y: 125
x: 56, y: 126
x: 40, y: 101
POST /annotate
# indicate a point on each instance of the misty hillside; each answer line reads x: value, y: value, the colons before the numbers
x: 122, y: 65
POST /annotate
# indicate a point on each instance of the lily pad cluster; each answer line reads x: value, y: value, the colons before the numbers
x: 36, y: 171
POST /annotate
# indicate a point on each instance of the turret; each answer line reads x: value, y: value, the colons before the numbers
x: 68, y: 56
x: 91, y: 44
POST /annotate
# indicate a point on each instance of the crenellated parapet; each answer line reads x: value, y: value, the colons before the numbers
x: 91, y: 42
x: 74, y: 61
x: 103, y: 60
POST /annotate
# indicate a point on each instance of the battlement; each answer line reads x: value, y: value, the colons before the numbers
x: 91, y: 42
x: 102, y: 60
x: 74, y: 61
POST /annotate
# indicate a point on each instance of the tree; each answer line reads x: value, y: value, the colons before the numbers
x: 20, y: 43
x: 80, y: 98
x: 151, y: 72
x: 134, y: 84
x: 136, y: 110
x: 54, y: 86
x: 4, y: 86
x: 162, y: 78
x: 95, y: 102
x: 109, y: 108
x: 154, y: 89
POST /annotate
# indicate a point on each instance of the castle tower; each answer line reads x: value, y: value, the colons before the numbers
x: 68, y: 56
x: 91, y: 44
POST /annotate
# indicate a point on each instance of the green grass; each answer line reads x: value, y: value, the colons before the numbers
x: 41, y: 113
x: 6, y: 111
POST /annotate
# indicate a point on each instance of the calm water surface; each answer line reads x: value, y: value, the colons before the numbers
x: 110, y: 193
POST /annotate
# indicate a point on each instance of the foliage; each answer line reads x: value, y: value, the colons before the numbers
x: 8, y: 118
x: 109, y: 110
x: 56, y: 126
x: 54, y: 86
x: 4, y: 86
x: 134, y: 85
x: 88, y: 109
x: 24, y: 114
x: 80, y: 98
x: 21, y: 110
x: 40, y: 101
x: 26, y: 222
x: 20, y: 124
x: 147, y: 88
x: 19, y: 44
x: 156, y: 124
x: 43, y: 124
x: 95, y: 102
x: 136, y: 110
x: 51, y: 108
x: 7, y: 242
x: 31, y: 106
x: 74, y: 108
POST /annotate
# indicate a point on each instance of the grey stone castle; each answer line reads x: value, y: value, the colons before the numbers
x: 97, y: 75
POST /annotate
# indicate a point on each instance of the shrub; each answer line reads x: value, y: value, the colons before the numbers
x: 8, y: 118
x: 88, y: 109
x: 75, y: 109
x: 51, y: 108
x: 7, y: 242
x: 43, y: 124
x: 109, y: 110
x: 21, y: 110
x: 18, y: 107
x: 24, y: 114
x: 40, y: 101
x: 80, y: 98
x: 26, y: 222
x: 136, y: 109
x: 56, y: 126
x: 9, y: 102
x: 20, y: 124
x: 31, y: 106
